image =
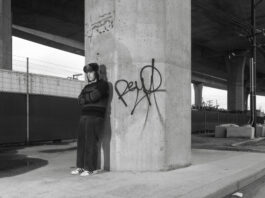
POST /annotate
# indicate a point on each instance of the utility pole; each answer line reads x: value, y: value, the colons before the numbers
x: 27, y: 141
x: 253, y: 61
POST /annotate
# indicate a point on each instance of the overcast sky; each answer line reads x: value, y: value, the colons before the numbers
x: 44, y: 59
x: 220, y: 97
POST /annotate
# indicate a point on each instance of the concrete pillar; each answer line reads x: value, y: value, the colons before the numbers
x: 235, y: 86
x: 125, y: 35
x: 198, y: 94
x: 246, y: 94
x: 5, y: 35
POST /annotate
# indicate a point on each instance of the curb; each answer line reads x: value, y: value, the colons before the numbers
x: 228, y: 185
x: 248, y: 141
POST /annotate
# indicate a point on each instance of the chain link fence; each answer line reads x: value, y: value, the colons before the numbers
x: 204, y: 121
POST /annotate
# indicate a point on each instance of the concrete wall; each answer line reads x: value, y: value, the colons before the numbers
x: 5, y: 35
x: 16, y: 82
x: 125, y: 35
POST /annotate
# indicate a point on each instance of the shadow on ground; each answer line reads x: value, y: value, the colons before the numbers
x: 58, y: 150
x: 13, y: 164
x: 54, y: 142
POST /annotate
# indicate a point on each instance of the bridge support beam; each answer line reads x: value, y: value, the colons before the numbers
x: 235, y: 86
x: 246, y: 94
x: 125, y: 35
x: 198, y: 94
x: 5, y: 35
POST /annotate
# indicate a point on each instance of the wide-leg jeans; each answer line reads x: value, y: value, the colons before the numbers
x: 89, y: 132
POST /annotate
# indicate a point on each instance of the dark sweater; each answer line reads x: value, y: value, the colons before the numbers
x: 94, y: 98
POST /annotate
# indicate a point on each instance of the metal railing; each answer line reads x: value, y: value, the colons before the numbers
x: 204, y: 121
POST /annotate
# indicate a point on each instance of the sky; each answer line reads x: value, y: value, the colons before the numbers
x: 213, y: 96
x: 50, y: 61
x: 219, y: 96
x: 45, y: 60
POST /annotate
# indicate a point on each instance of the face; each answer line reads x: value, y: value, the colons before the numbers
x: 91, y: 76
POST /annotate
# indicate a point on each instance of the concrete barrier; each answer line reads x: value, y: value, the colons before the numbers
x: 221, y: 130
x: 241, y: 132
x: 260, y: 131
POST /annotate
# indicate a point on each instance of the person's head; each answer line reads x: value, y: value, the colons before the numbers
x: 91, y: 71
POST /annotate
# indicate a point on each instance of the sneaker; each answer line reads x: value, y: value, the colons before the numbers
x: 86, y: 173
x: 77, y: 171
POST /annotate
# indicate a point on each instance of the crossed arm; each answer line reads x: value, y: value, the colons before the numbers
x: 88, y: 96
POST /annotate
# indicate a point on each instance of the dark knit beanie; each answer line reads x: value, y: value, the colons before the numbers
x: 91, y: 67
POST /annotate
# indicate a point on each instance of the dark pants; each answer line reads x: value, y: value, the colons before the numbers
x: 89, y: 132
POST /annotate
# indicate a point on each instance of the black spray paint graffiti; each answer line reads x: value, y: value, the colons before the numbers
x: 103, y: 24
x: 133, y: 86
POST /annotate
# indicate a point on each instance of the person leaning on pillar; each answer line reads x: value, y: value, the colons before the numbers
x: 93, y: 99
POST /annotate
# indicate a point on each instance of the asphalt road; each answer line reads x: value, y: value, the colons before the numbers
x: 254, y: 190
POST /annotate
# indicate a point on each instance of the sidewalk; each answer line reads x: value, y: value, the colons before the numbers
x: 45, y: 173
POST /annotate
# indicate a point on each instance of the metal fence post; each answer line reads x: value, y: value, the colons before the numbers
x: 27, y: 100
x: 218, y: 117
x: 204, y: 121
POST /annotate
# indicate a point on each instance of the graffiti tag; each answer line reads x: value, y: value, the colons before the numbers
x: 103, y: 24
x: 134, y: 86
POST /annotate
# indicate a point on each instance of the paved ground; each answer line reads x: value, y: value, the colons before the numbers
x: 208, y: 141
x: 43, y: 171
